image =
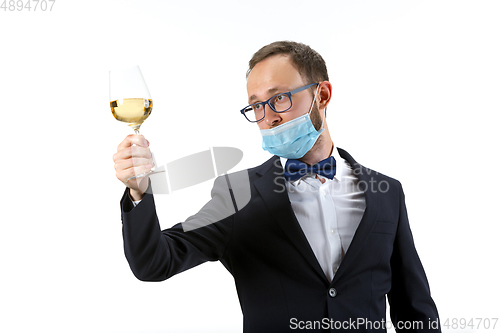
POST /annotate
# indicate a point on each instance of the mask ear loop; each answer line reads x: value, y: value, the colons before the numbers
x: 310, y: 110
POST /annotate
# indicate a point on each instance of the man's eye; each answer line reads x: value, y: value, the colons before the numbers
x: 257, y: 107
x: 280, y: 98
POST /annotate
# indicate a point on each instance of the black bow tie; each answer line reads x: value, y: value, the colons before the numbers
x: 295, y: 169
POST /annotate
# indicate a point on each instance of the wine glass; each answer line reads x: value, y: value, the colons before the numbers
x: 130, y: 100
x: 129, y: 97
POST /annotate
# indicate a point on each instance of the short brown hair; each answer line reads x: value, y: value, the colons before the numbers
x: 308, y: 62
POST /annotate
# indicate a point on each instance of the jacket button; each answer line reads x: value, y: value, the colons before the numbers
x: 332, y: 292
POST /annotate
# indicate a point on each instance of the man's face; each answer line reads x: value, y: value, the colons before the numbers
x: 272, y: 76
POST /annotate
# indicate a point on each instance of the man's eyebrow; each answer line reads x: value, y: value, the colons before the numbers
x: 271, y: 91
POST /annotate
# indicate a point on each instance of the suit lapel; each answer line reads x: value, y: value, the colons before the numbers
x: 367, y: 221
x: 271, y: 187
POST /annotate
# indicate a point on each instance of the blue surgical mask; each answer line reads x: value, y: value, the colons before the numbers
x: 292, y: 139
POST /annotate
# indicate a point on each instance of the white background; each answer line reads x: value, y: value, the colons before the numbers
x: 416, y: 96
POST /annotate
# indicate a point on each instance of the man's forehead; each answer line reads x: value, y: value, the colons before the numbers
x: 272, y: 75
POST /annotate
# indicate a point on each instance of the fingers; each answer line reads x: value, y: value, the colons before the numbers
x: 132, y: 146
x: 132, y: 139
x: 132, y: 162
x: 133, y: 157
x: 132, y: 152
x: 124, y: 174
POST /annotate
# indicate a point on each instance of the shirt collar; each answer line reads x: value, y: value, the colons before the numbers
x: 340, y: 168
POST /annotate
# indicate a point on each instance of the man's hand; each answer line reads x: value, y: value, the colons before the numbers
x: 133, y: 158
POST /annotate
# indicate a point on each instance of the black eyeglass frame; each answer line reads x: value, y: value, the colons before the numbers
x: 249, y: 108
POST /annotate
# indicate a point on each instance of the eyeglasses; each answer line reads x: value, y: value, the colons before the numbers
x: 278, y: 103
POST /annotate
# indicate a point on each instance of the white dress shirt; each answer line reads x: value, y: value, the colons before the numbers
x: 328, y: 212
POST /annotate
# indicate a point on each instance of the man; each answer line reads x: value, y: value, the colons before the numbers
x: 321, y: 241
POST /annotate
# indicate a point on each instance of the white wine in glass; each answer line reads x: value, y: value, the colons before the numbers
x: 132, y: 111
x: 129, y: 97
x: 130, y: 100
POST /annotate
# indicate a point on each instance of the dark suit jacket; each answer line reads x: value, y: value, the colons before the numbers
x: 279, y: 281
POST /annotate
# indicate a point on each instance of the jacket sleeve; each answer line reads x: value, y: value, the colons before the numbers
x: 156, y: 255
x: 410, y: 299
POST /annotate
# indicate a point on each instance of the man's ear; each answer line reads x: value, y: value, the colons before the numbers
x: 324, y: 94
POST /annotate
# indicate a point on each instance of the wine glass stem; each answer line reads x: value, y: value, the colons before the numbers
x: 137, y: 131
